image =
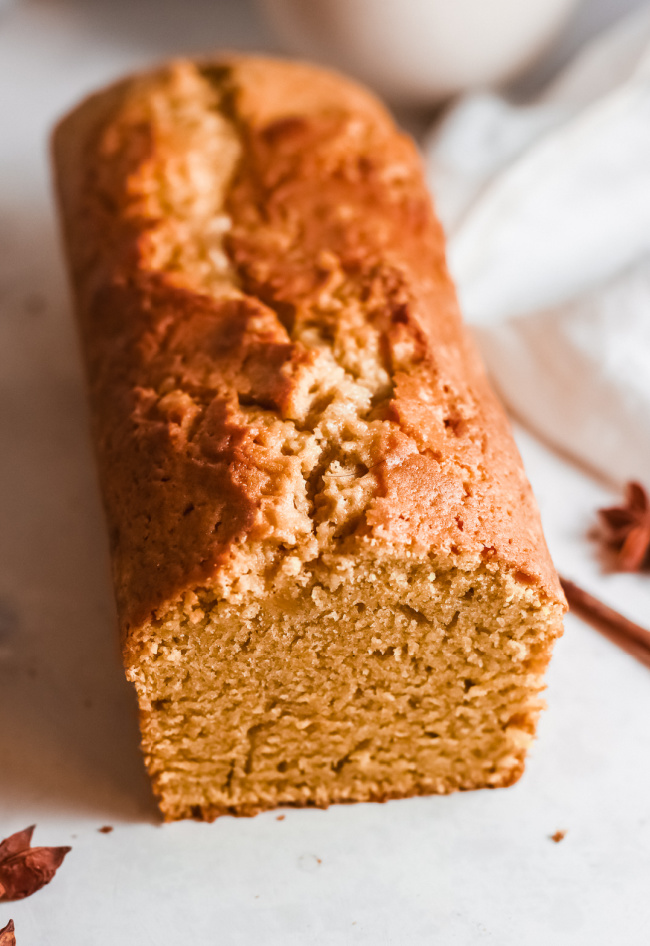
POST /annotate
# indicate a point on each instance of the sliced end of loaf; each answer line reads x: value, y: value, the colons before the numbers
x: 354, y: 681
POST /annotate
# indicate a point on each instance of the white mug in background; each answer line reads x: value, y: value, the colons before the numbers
x: 415, y: 52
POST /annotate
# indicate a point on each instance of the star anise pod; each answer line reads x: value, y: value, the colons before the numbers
x: 25, y: 869
x: 7, y: 936
x: 626, y: 529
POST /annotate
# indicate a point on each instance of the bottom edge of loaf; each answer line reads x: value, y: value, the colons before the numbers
x: 210, y: 813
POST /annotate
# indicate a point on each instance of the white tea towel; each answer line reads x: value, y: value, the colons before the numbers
x: 547, y: 209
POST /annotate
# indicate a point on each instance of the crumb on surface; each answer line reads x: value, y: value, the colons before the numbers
x: 558, y: 836
x: 106, y: 829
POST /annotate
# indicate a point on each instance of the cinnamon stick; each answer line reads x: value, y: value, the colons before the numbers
x: 630, y: 637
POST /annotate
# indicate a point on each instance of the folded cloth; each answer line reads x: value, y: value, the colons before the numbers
x: 547, y: 209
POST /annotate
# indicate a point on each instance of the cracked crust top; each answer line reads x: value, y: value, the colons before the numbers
x: 277, y: 365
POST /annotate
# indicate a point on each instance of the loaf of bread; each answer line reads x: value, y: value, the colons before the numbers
x: 330, y: 572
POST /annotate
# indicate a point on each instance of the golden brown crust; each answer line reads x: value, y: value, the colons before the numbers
x: 207, y: 366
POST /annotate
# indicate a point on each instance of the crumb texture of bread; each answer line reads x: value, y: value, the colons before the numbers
x: 330, y: 572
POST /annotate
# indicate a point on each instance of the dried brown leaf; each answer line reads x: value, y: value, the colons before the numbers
x: 632, y: 553
x: 626, y: 529
x: 25, y: 869
x: 616, y: 518
x: 15, y: 843
x: 637, y: 497
x: 7, y: 935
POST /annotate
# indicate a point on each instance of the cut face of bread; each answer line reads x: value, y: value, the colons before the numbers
x: 330, y: 572
x: 352, y: 681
